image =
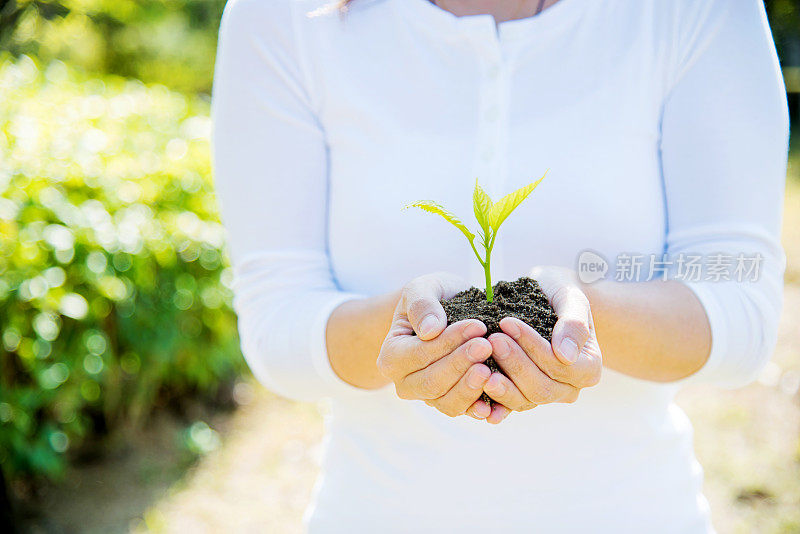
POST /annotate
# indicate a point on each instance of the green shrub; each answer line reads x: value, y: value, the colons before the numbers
x: 171, y: 42
x: 113, y: 285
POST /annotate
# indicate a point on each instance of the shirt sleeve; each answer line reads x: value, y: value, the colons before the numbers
x: 724, y: 149
x: 270, y: 165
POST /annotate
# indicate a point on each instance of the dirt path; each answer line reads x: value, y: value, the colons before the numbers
x: 260, y: 480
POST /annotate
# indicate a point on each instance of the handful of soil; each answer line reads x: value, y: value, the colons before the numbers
x: 522, y: 298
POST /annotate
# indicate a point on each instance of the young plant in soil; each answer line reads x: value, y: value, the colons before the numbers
x: 522, y: 298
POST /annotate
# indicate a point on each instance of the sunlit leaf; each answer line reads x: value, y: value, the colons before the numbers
x: 503, y: 207
x: 481, y: 205
x: 433, y: 207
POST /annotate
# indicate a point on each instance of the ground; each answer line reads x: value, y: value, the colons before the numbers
x: 260, y: 477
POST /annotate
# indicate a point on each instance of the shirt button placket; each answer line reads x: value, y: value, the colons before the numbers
x: 492, y: 120
x: 492, y: 138
x: 491, y: 135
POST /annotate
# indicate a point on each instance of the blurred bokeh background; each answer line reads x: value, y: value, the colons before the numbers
x: 124, y: 401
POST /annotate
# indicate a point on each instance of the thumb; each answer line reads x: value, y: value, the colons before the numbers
x: 423, y: 309
x: 571, y: 331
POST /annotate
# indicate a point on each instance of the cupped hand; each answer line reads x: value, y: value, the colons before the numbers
x: 430, y: 361
x: 538, y: 372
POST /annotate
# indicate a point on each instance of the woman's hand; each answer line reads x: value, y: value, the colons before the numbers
x: 428, y: 360
x: 538, y: 372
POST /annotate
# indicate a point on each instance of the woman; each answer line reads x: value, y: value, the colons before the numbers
x: 664, y: 126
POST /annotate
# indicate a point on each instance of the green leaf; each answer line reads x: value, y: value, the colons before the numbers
x: 503, y: 207
x: 482, y: 205
x: 433, y: 207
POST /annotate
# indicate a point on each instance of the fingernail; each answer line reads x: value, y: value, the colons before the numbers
x: 512, y: 329
x: 481, y: 411
x: 569, y: 349
x: 473, y: 329
x: 497, y: 387
x: 475, y: 379
x: 428, y: 325
x: 476, y: 352
x: 501, y: 348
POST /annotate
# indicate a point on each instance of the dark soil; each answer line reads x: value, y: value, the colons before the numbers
x: 523, y: 299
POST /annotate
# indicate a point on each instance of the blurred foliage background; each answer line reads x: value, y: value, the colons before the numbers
x: 114, y: 291
x: 114, y: 297
x: 170, y: 42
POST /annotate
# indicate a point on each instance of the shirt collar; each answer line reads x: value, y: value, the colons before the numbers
x: 552, y: 20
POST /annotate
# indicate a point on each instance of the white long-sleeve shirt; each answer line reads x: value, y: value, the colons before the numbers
x: 664, y: 126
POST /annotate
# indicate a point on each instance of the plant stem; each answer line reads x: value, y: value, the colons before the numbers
x: 485, y: 264
x: 480, y: 260
x: 486, y: 268
x: 489, y: 291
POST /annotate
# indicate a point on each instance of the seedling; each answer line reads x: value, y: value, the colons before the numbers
x: 490, y: 215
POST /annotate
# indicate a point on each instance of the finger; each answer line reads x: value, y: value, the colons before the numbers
x: 499, y: 412
x: 402, y: 355
x: 479, y: 410
x: 583, y: 373
x: 440, y: 376
x: 422, y: 304
x: 571, y: 397
x: 503, y: 390
x: 593, y: 355
x: 571, y: 331
x: 465, y: 393
x: 517, y: 365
